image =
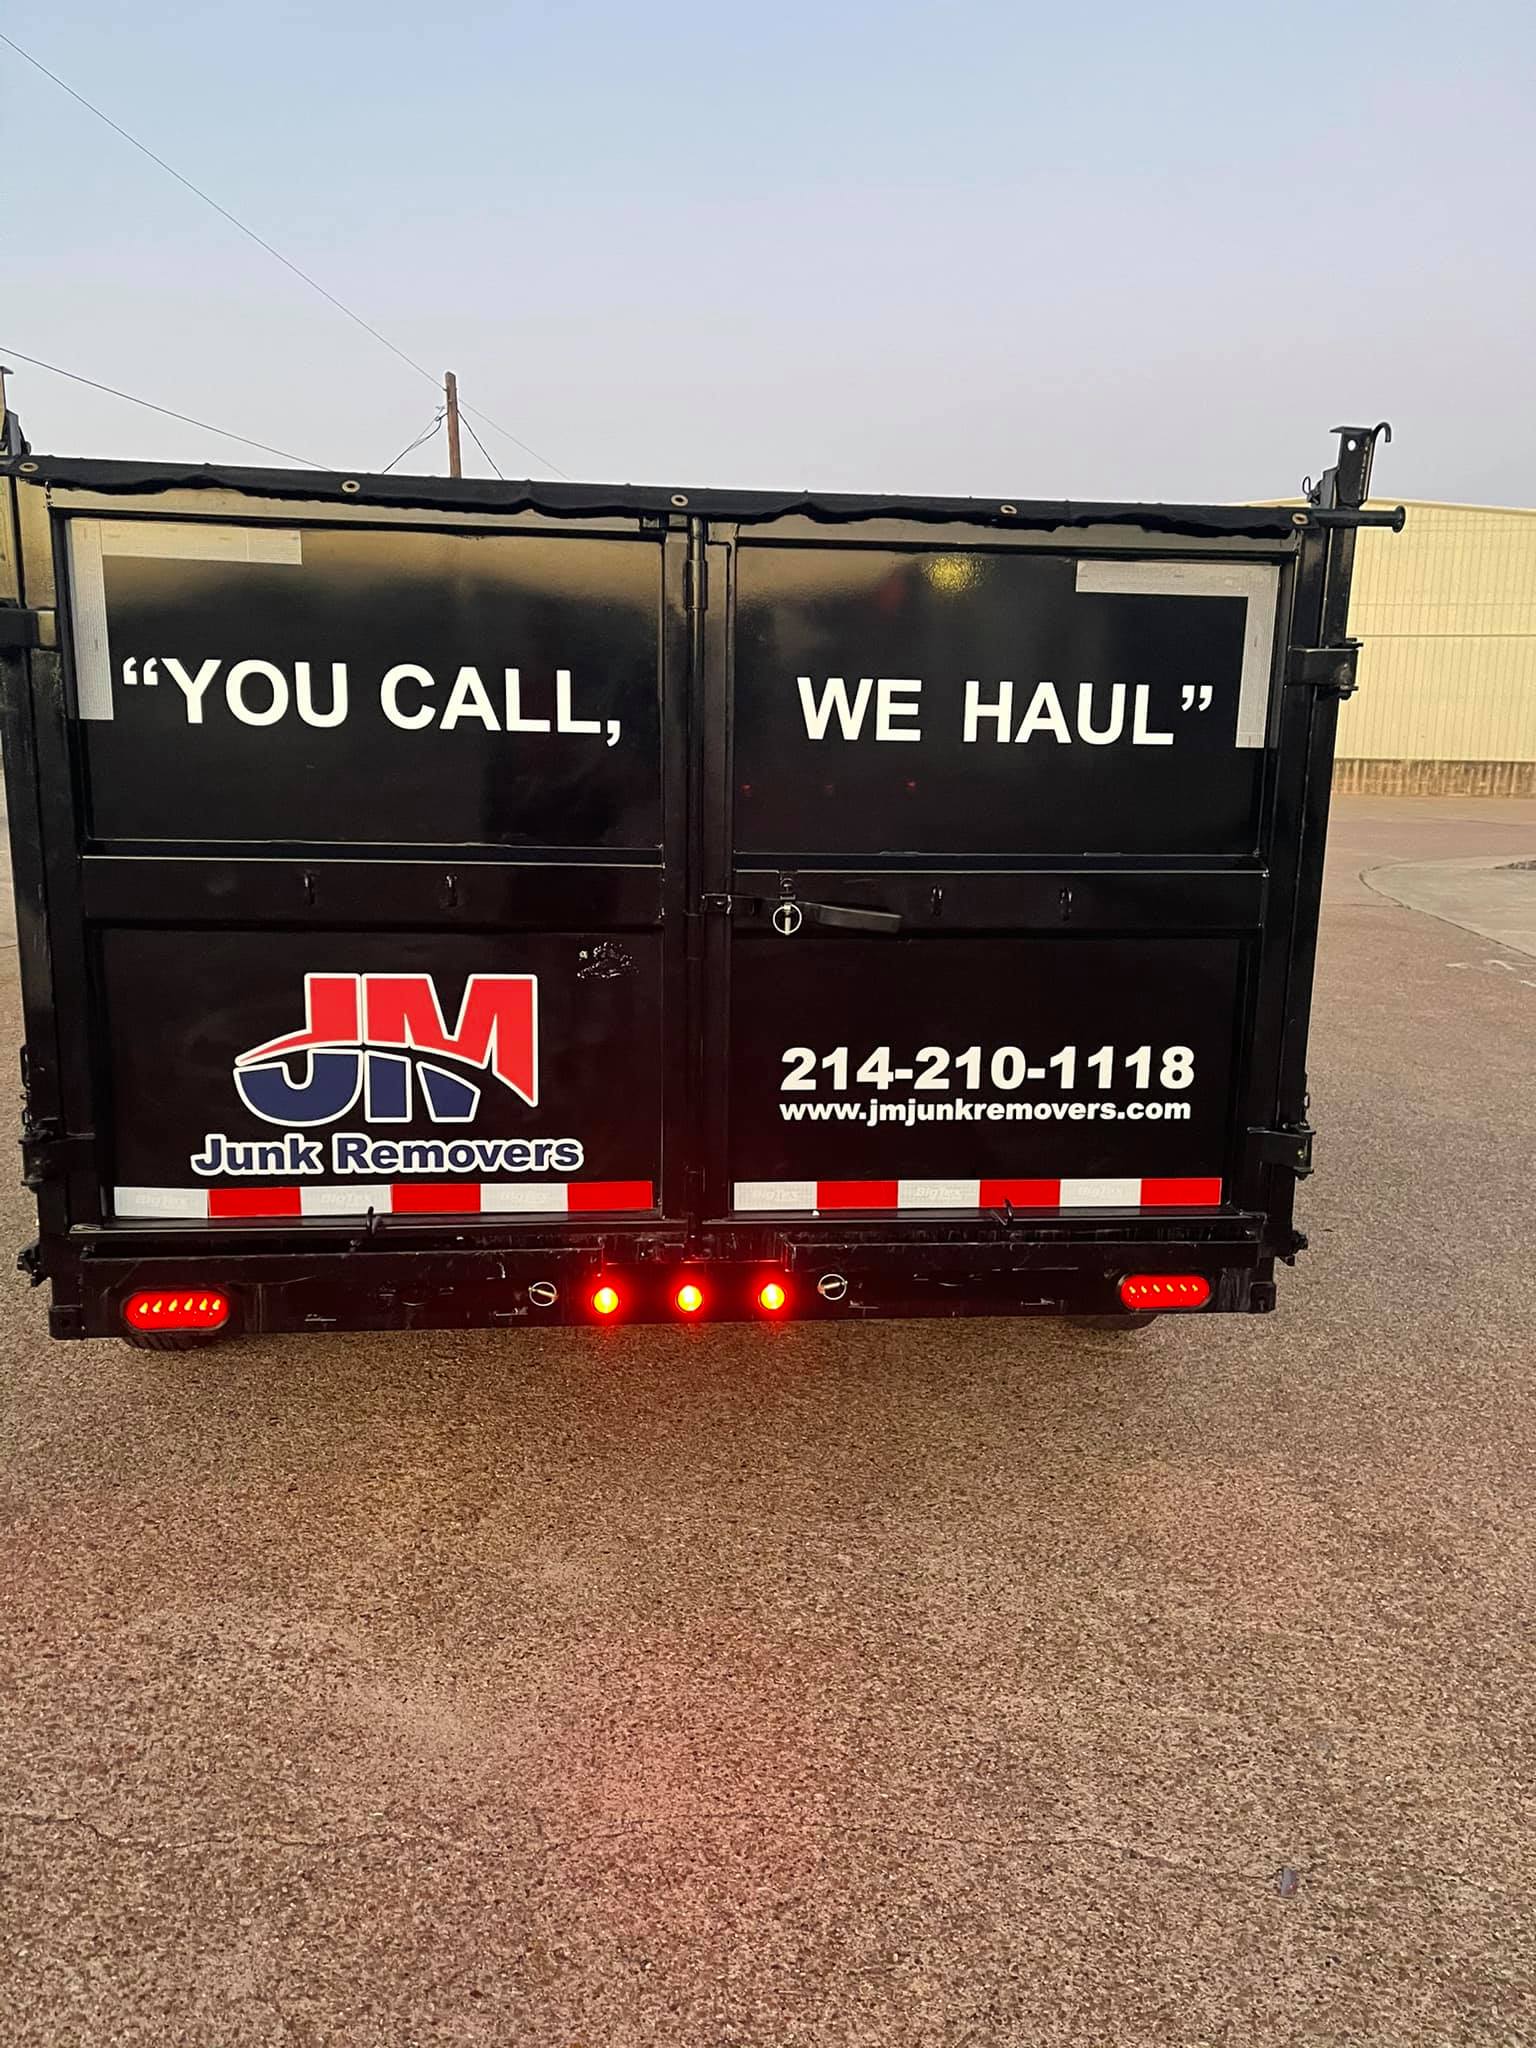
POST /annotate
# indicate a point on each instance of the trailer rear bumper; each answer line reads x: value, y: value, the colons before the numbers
x: 826, y: 1273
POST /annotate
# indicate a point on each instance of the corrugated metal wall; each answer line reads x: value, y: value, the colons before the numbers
x: 1447, y: 613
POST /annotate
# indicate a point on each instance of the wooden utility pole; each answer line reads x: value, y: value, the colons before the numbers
x: 12, y: 440
x: 451, y: 392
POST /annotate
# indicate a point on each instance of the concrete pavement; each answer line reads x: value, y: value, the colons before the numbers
x: 921, y: 1684
x: 1494, y: 898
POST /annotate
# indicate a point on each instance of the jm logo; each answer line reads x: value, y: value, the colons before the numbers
x: 383, y: 1036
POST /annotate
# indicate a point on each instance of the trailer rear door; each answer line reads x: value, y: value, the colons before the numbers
x: 375, y: 864
x: 992, y: 847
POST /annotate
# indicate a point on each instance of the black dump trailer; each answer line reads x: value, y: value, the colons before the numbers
x: 452, y: 903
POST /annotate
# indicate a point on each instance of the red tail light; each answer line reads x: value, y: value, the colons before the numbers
x: 689, y: 1299
x: 161, y: 1308
x: 1165, y: 1290
x: 605, y: 1301
x: 771, y: 1297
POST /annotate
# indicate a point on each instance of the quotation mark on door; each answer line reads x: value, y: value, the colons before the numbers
x: 1193, y: 690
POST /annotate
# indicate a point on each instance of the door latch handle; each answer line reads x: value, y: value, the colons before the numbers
x: 789, y: 915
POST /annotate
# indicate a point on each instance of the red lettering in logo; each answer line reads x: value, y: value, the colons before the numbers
x: 497, y: 1028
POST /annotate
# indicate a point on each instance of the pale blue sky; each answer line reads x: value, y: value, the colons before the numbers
x: 1012, y: 250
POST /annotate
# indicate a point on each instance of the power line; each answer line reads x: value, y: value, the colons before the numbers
x: 437, y: 421
x: 260, y: 241
x: 490, y: 458
x: 480, y: 414
x: 171, y: 171
x: 150, y: 406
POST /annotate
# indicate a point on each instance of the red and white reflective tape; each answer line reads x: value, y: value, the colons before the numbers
x: 386, y: 1198
x: 1153, y: 1193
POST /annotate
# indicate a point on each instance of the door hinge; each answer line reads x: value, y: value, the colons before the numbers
x: 21, y: 626
x: 695, y: 584
x: 47, y: 1152
x: 1290, y: 1147
x: 717, y: 906
x: 1328, y: 670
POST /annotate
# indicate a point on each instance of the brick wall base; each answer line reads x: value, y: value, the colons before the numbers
x: 1434, y: 778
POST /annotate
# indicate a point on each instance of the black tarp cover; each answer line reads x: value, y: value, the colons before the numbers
x: 594, y: 501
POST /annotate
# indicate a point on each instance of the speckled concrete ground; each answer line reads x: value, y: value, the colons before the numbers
x: 1494, y: 898
x: 903, y: 1685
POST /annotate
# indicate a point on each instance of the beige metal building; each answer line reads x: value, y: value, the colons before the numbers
x: 1447, y: 613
